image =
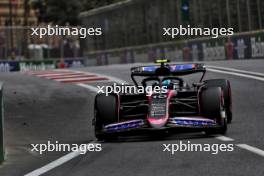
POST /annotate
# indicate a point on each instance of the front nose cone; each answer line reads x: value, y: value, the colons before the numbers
x: 157, y: 123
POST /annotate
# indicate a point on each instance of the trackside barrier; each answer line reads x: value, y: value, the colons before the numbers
x: 32, y: 65
x: 247, y: 45
x: 2, y: 148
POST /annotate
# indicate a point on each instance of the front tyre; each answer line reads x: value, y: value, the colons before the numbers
x: 105, y: 112
x: 220, y: 130
x: 98, y: 126
x: 212, y: 107
x: 226, y: 87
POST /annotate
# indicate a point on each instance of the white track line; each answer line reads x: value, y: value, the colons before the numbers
x: 236, y: 70
x: 224, y: 138
x: 71, y: 155
x: 55, y: 163
x: 66, y: 157
x: 251, y: 149
x: 92, y: 88
x: 236, y: 74
x: 221, y: 138
x: 240, y: 73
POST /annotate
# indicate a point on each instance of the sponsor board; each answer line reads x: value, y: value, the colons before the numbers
x: 9, y: 66
x: 257, y: 46
x: 238, y: 46
x: 36, y: 65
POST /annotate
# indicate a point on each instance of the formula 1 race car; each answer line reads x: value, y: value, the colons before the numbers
x: 203, y: 105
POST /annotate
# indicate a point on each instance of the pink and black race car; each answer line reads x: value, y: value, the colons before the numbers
x: 203, y: 105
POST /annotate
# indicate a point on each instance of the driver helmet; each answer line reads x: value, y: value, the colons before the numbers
x: 166, y: 83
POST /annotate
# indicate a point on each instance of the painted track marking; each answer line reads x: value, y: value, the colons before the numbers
x: 236, y: 70
x: 240, y: 73
x: 251, y: 149
x: 82, y: 79
x: 117, y: 80
x: 55, y: 74
x: 224, y: 138
x: 68, y: 76
x: 236, y: 74
x: 66, y: 157
x: 72, y: 155
x: 56, y: 163
x: 92, y: 88
x: 71, y: 76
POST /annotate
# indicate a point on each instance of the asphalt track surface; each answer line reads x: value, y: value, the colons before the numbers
x: 38, y: 110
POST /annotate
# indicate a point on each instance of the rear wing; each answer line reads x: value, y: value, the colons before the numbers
x: 168, y: 70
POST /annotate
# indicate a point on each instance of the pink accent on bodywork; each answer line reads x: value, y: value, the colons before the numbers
x: 164, y: 119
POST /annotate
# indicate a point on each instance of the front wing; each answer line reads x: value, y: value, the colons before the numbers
x: 196, y: 122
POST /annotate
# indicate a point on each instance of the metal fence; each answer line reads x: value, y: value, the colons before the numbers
x: 140, y: 22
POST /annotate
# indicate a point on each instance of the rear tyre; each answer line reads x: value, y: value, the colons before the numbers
x: 212, y: 107
x: 105, y: 112
x: 226, y: 87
